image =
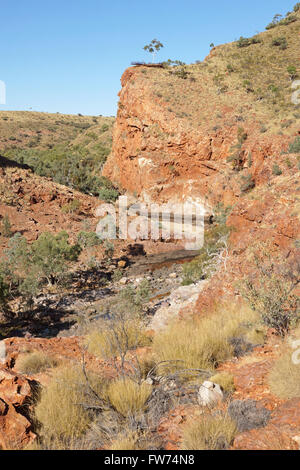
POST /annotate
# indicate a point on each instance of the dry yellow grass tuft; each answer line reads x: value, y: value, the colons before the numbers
x: 284, y: 378
x: 35, y: 362
x: 60, y: 410
x: 108, y: 341
x: 127, y: 396
x: 202, y: 343
x: 225, y: 380
x: 126, y: 442
x: 209, y: 432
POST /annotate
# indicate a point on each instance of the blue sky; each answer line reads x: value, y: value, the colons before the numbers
x: 68, y: 56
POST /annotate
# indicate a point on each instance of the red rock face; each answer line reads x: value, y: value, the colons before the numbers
x: 16, y: 393
x: 161, y: 156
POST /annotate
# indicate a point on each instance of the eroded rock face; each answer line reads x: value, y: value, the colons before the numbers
x: 16, y: 393
x: 181, y: 299
x: 162, y: 156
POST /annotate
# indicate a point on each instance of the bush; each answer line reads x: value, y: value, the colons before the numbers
x: 72, y: 207
x: 290, y: 18
x: 127, y: 396
x: 88, y: 239
x: 248, y: 183
x: 284, y: 378
x: 280, y: 42
x: 292, y: 71
x: 206, y: 262
x: 35, y: 362
x: 75, y: 167
x: 245, y: 42
x: 28, y: 267
x: 125, y: 328
x: 201, y: 343
x: 295, y: 146
x: 6, y: 227
x: 210, y: 432
x: 269, y: 292
x: 276, y: 170
x: 108, y: 194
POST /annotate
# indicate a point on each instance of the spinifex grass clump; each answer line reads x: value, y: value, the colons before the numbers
x: 35, y: 362
x: 127, y: 396
x: 202, y: 343
x: 284, y: 378
x: 209, y: 432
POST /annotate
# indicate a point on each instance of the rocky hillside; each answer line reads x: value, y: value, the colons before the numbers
x: 197, y: 130
x: 224, y: 133
x: 129, y: 351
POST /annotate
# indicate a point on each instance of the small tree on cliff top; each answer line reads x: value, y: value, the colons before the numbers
x: 154, y: 47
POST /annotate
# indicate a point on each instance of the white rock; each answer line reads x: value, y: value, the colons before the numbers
x: 209, y: 394
x: 297, y: 440
x: 173, y: 275
x: 123, y: 280
x: 2, y: 352
x: 148, y: 381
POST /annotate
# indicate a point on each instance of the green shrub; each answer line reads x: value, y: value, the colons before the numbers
x: 72, y: 207
x: 276, y: 170
x: 270, y: 293
x: 6, y: 227
x: 245, y: 42
x: 203, y: 265
x: 290, y: 18
x: 88, y: 239
x: 280, y: 42
x: 76, y: 167
x: 248, y: 183
x: 26, y: 268
x: 292, y: 71
x: 295, y: 146
x: 108, y: 194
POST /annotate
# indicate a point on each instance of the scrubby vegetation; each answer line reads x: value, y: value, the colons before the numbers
x: 128, y: 397
x: 70, y: 150
x: 271, y: 292
x: 211, y: 255
x: 202, y: 343
x: 295, y: 146
x: 60, y: 413
x: 26, y: 268
x: 35, y: 362
x: 225, y: 380
x: 212, y: 431
x: 248, y: 72
x: 284, y: 378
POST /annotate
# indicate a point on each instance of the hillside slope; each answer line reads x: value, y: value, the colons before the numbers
x: 181, y: 130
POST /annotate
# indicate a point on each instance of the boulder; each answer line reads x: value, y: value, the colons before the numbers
x: 209, y: 394
x: 16, y: 393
